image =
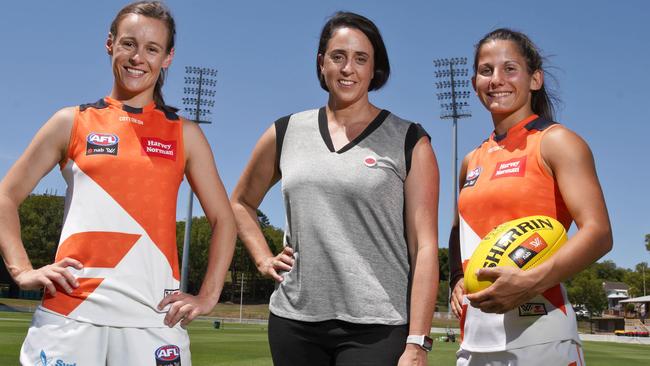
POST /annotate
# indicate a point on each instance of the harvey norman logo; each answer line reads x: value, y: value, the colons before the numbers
x: 153, y: 146
x: 510, y: 168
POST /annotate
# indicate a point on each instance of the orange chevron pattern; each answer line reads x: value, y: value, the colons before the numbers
x: 64, y: 303
x: 96, y: 248
x: 93, y: 249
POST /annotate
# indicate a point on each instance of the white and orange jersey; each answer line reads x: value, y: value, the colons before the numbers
x: 123, y: 170
x: 506, y: 179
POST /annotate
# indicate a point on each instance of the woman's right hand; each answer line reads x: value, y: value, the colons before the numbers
x: 270, y: 266
x: 457, y: 298
x: 48, y: 276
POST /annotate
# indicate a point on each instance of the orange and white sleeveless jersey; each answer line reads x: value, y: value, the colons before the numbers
x: 123, y: 171
x: 506, y: 179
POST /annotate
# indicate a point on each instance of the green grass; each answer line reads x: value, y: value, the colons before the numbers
x: 222, y: 310
x: 623, y: 354
x: 246, y: 345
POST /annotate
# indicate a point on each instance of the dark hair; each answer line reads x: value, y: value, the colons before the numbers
x: 155, y: 10
x: 344, y: 19
x: 542, y: 101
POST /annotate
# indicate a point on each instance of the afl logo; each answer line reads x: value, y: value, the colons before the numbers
x: 103, y: 139
x: 168, y: 355
x: 101, y: 144
x: 370, y: 161
x: 472, y: 177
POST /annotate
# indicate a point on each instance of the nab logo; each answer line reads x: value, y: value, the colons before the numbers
x: 101, y: 144
x: 168, y: 355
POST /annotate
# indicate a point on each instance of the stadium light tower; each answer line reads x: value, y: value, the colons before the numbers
x: 452, y: 84
x: 453, y: 91
x: 198, y: 101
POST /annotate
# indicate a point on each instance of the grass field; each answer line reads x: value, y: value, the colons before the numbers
x: 246, y: 345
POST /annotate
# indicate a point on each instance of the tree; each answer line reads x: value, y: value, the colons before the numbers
x: 41, y: 218
x: 263, y: 219
x: 586, y: 289
x: 443, y: 263
x: 199, y: 244
x: 635, y: 279
x: 608, y: 271
x: 257, y: 288
x: 443, y: 285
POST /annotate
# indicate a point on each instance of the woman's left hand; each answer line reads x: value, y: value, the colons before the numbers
x: 185, y: 308
x: 511, y: 287
x: 413, y: 355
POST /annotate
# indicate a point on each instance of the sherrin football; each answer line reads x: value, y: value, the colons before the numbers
x: 522, y: 243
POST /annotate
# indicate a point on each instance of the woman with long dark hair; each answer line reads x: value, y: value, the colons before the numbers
x: 529, y: 165
x: 357, y: 278
x: 112, y: 295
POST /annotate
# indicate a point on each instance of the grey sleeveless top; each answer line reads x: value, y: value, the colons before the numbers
x: 345, y: 220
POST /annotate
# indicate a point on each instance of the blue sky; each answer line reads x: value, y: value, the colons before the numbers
x: 265, y: 52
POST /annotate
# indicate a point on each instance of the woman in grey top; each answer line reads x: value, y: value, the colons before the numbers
x: 359, y: 270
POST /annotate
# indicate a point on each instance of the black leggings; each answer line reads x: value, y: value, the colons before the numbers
x: 334, y: 343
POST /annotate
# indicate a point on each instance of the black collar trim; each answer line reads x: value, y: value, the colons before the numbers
x: 100, y: 104
x: 129, y: 109
x: 539, y: 124
x: 170, y: 112
x: 325, y: 133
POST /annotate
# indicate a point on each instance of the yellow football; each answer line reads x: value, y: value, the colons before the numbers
x: 522, y: 243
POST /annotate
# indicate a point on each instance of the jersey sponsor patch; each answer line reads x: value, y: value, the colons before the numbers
x: 168, y: 355
x: 528, y: 250
x: 101, y: 143
x: 532, y: 309
x: 153, y: 146
x: 472, y: 177
x: 510, y: 168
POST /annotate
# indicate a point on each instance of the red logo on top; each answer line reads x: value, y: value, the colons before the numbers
x: 535, y: 243
x: 510, y: 168
x: 370, y: 161
x: 153, y: 146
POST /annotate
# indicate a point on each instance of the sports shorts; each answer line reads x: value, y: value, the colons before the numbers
x: 54, y: 340
x: 559, y: 353
x: 335, y: 342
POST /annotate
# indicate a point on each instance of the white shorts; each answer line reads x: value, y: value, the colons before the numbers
x: 53, y: 340
x: 560, y: 353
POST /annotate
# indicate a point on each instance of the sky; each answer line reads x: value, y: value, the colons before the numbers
x: 265, y: 53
